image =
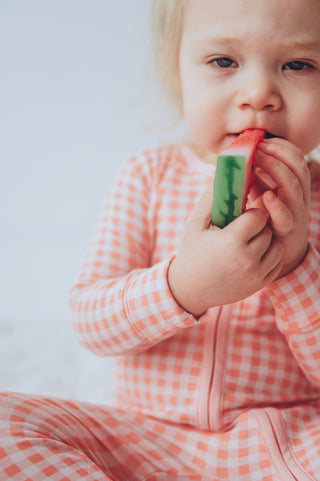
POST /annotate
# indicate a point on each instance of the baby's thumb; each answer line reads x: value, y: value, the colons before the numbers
x: 202, y: 211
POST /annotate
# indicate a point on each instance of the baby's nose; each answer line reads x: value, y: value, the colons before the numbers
x: 259, y: 92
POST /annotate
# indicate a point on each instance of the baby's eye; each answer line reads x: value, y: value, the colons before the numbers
x: 223, y: 62
x: 297, y: 65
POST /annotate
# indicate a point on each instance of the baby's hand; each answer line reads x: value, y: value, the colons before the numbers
x: 289, y: 203
x: 216, y: 266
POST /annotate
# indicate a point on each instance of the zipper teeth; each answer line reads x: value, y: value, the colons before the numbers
x: 288, y: 469
x: 272, y: 445
x: 211, y: 384
x: 208, y: 371
x: 275, y: 417
x: 211, y: 398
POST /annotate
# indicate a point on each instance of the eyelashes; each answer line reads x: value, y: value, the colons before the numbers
x: 297, y: 65
x: 227, y: 63
x: 223, y: 62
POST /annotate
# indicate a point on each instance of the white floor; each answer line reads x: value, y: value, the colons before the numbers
x: 47, y: 359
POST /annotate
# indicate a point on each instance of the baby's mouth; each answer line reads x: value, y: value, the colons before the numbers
x: 233, y: 136
x: 270, y: 136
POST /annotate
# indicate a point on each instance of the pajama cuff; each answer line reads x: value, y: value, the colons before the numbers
x: 296, y: 296
x: 151, y: 309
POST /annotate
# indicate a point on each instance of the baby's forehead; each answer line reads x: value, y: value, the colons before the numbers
x: 289, y: 22
x: 242, y: 10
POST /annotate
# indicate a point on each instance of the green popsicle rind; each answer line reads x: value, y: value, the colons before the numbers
x: 228, y: 189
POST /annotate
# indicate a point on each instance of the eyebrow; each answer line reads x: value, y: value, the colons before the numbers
x: 306, y: 45
x: 298, y: 45
x: 206, y: 40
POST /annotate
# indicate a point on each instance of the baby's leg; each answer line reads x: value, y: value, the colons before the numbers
x: 46, y: 438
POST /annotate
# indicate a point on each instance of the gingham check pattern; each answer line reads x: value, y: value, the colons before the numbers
x: 232, y: 395
x: 47, y: 438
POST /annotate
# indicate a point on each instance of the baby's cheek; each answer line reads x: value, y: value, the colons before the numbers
x: 305, y: 133
x: 200, y: 123
x: 201, y: 133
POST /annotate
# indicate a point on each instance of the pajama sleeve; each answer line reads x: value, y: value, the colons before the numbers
x: 296, y: 299
x: 121, y: 303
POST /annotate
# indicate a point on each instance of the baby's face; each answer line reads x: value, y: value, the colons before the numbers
x: 251, y: 64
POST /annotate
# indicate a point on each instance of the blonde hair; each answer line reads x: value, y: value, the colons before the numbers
x: 167, y: 25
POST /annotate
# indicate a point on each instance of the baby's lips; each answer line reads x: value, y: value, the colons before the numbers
x: 273, y: 135
x: 269, y: 135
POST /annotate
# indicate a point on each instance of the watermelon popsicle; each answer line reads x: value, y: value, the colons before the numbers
x: 234, y: 177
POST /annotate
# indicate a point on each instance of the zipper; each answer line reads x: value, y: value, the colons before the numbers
x: 211, y: 384
x: 210, y: 403
x: 276, y: 439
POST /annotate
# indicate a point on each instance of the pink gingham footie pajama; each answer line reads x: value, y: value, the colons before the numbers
x: 232, y: 395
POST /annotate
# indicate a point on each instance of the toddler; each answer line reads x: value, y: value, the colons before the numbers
x: 216, y: 332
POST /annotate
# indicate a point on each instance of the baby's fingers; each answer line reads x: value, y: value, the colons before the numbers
x: 272, y: 261
x: 281, y: 219
x: 200, y: 217
x: 248, y: 225
x: 287, y: 155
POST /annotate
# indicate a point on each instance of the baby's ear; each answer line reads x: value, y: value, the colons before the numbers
x: 314, y: 168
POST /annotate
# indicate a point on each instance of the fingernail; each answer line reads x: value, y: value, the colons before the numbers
x: 269, y: 196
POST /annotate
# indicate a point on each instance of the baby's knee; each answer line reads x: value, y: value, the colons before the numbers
x: 15, y: 410
x: 24, y: 415
x: 37, y: 435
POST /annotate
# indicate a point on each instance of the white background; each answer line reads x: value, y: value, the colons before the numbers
x: 72, y: 108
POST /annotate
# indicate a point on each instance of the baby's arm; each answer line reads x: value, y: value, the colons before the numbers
x: 296, y: 295
x: 216, y: 266
x: 120, y: 302
x: 296, y: 299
